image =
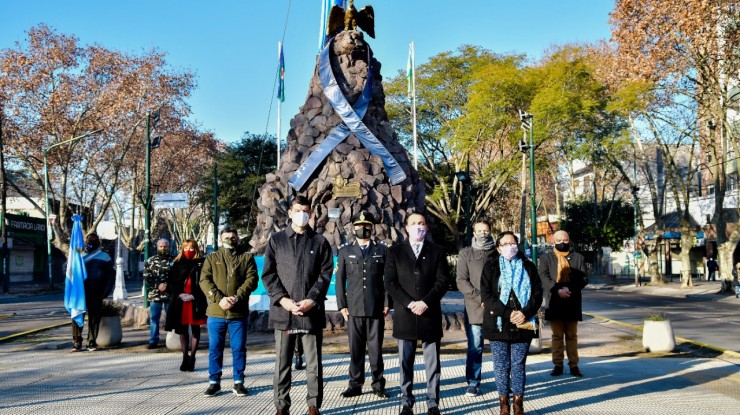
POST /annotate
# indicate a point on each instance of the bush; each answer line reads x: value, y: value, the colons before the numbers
x: 656, y: 317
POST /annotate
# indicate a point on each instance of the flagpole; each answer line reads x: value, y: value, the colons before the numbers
x: 413, y: 105
x: 322, y: 24
x: 280, y: 48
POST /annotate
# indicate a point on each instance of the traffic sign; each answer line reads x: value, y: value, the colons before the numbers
x: 170, y: 200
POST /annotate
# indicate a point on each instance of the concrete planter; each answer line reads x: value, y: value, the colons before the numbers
x: 657, y: 336
x: 110, y: 332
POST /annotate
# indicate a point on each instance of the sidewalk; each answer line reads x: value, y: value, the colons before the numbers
x: 40, y: 375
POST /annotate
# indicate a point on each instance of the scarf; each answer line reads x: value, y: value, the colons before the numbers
x: 513, y: 278
x: 487, y: 246
x: 563, y: 266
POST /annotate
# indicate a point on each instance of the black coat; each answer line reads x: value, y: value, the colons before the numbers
x: 176, y: 283
x: 568, y: 309
x: 495, y: 306
x: 297, y: 266
x: 101, y: 276
x: 409, y: 279
x: 359, y: 280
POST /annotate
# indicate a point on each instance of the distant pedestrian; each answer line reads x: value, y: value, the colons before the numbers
x: 156, y: 274
x: 101, y: 277
x: 712, y: 268
x: 297, y: 274
x: 228, y: 278
x: 417, y: 277
x: 470, y: 263
x: 563, y: 274
x: 188, y: 305
x: 363, y: 302
x: 512, y: 295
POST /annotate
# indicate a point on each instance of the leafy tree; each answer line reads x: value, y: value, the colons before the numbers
x: 594, y: 225
x: 241, y: 170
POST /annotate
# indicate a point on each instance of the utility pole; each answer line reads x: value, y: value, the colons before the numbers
x: 5, y: 263
x: 527, y: 125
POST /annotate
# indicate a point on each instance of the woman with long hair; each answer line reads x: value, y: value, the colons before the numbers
x: 512, y: 294
x: 188, y: 308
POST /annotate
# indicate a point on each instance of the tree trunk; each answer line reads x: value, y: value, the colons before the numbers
x: 687, y: 241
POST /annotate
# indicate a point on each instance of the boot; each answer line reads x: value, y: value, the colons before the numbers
x: 518, y: 404
x: 191, y: 363
x: 185, y: 363
x: 503, y: 402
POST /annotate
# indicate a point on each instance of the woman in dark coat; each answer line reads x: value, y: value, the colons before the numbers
x: 187, y: 310
x: 512, y: 294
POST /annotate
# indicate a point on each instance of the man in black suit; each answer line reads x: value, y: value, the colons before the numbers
x: 416, y: 277
x: 362, y: 300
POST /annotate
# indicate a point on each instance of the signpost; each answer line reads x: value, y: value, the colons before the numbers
x: 170, y: 201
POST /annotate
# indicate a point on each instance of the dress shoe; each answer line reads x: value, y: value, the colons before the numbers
x: 312, y: 410
x: 557, y: 371
x: 380, y: 393
x: 299, y: 363
x: 575, y: 371
x: 433, y: 411
x: 406, y: 411
x: 351, y: 392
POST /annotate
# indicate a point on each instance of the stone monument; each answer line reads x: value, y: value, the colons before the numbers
x: 342, y: 153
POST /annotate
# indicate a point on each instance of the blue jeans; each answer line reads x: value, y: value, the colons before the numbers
x: 155, y: 315
x: 474, y: 362
x: 217, y: 328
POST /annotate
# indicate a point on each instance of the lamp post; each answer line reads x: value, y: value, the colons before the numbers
x: 464, y: 178
x: 49, y: 232
x: 527, y: 125
x: 120, y: 293
x: 152, y: 120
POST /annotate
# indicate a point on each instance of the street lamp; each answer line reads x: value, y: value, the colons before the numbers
x: 464, y: 178
x: 152, y: 120
x: 527, y: 125
x: 49, y: 233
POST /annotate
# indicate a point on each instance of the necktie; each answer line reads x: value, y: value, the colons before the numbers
x: 417, y: 249
x: 364, y: 249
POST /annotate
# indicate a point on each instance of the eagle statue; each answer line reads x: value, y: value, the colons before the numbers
x: 351, y: 19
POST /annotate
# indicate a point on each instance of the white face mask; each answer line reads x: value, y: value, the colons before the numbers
x: 417, y: 232
x: 300, y: 219
x: 509, y: 251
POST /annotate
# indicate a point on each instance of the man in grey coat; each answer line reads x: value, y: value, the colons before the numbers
x: 417, y: 277
x: 470, y: 262
x: 297, y: 273
x: 362, y: 300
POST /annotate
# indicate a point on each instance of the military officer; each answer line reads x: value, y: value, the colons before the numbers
x: 362, y: 300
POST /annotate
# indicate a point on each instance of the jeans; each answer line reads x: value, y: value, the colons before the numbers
x: 509, y: 362
x: 474, y: 362
x: 217, y: 328
x: 155, y: 315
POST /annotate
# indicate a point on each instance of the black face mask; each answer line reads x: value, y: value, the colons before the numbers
x: 162, y: 252
x: 563, y: 247
x: 91, y: 246
x: 363, y: 233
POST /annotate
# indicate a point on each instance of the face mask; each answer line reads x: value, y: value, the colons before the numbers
x: 509, y: 251
x: 300, y: 219
x: 188, y: 254
x: 563, y: 247
x: 417, y: 232
x: 162, y: 252
x: 227, y: 244
x: 362, y: 233
x: 91, y: 246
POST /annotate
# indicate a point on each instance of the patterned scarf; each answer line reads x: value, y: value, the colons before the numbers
x: 563, y: 266
x: 513, y: 278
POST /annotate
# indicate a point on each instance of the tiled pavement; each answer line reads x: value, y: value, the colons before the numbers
x: 128, y: 381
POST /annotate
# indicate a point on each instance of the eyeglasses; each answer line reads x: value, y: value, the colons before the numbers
x: 508, y: 244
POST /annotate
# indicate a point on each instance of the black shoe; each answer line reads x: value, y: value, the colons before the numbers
x: 212, y: 390
x: 575, y: 371
x: 557, y: 371
x: 351, y: 392
x: 151, y: 346
x: 191, y: 364
x: 185, y: 364
x: 433, y: 411
x: 240, y: 390
x: 91, y: 347
x: 380, y: 393
x: 406, y: 411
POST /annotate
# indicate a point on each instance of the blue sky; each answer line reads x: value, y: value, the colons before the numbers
x: 231, y: 45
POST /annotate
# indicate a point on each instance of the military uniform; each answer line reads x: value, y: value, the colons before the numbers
x: 360, y: 289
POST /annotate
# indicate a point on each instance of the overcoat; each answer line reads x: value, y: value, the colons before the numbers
x: 409, y: 279
x: 568, y: 309
x: 179, y: 274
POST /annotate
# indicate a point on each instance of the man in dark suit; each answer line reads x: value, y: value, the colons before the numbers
x: 416, y: 277
x: 362, y: 300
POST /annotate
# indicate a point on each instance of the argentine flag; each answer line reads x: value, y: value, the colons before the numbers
x: 74, y: 285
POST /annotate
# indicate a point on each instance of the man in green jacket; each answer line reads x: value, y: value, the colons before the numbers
x: 228, y: 278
